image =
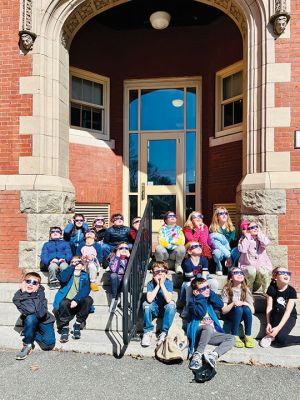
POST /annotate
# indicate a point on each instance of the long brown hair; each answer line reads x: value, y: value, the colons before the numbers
x: 227, y: 289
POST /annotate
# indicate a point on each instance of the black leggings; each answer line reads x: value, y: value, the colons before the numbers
x: 283, y: 338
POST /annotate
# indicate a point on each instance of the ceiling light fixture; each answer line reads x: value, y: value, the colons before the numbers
x: 160, y: 19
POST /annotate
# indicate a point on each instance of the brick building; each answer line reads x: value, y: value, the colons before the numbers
x: 98, y: 108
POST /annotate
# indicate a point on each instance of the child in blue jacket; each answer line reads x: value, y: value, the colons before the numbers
x: 75, y: 230
x: 72, y: 299
x: 203, y: 321
x: 56, y: 255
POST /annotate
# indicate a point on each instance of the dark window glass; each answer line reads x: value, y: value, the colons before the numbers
x: 133, y: 110
x: 161, y: 170
x: 133, y: 212
x: 189, y: 205
x: 190, y: 162
x: 76, y: 88
x: 97, y: 119
x: 87, y: 91
x: 133, y: 162
x: 97, y: 94
x: 75, y: 115
x: 228, y: 114
x: 191, y: 108
x: 162, y: 204
x: 86, y: 117
x: 238, y: 111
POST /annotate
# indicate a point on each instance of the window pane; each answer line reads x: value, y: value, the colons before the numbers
x: 162, y: 109
x: 133, y: 212
x: 75, y: 115
x: 86, y: 117
x: 76, y: 88
x: 191, y: 108
x: 237, y: 84
x: 87, y: 90
x: 162, y: 204
x: 189, y: 205
x: 227, y: 88
x: 133, y: 162
x: 190, y: 162
x: 133, y: 110
x: 161, y: 170
x: 97, y: 94
x: 238, y: 111
x: 227, y: 115
x: 97, y: 119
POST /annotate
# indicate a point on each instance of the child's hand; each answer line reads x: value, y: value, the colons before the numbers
x: 118, y: 253
x: 274, y: 331
x: 228, y: 262
x: 268, y: 329
x: 55, y: 260
x: 162, y: 280
x: 61, y: 260
x: 156, y: 279
x: 23, y: 286
x: 238, y: 303
x: 73, y: 304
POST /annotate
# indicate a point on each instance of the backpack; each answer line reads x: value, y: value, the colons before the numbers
x: 204, y: 374
x: 171, y: 350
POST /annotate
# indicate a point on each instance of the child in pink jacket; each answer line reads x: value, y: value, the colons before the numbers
x: 254, y: 260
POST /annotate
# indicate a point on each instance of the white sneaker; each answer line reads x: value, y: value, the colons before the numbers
x: 146, y: 340
x: 211, y: 359
x: 266, y: 341
x: 219, y: 273
x: 178, y: 269
x: 161, y: 338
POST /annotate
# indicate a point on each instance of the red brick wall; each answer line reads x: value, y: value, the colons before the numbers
x: 13, y: 230
x: 12, y: 105
x: 189, y: 51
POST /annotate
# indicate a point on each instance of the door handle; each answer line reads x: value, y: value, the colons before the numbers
x: 143, y: 191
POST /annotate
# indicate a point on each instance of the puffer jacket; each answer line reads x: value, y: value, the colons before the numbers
x: 76, y: 237
x: 253, y: 252
x: 117, y: 234
x: 56, y: 249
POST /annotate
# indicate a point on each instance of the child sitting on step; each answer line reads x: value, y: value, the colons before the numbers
x: 203, y: 322
x: 158, y: 303
x: 37, y: 320
x: 72, y: 299
x: 194, y: 266
x: 281, y: 311
x: 238, y: 306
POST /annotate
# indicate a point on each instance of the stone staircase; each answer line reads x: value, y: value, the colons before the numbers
x: 103, y: 333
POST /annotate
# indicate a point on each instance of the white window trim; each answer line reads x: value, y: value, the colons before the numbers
x: 220, y: 75
x: 105, y: 81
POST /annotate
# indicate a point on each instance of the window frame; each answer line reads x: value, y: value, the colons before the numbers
x: 220, y: 75
x: 105, y: 82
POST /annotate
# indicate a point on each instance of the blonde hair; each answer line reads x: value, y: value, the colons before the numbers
x: 215, y: 227
x: 189, y: 222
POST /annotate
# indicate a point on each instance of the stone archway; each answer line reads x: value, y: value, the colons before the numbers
x: 57, y: 23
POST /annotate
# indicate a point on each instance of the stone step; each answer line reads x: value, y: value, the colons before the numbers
x: 102, y: 320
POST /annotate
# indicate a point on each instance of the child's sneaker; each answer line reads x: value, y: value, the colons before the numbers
x: 239, y: 343
x: 249, y: 342
x: 94, y: 287
x: 196, y: 361
x: 76, y: 331
x: 64, y: 337
x: 161, y: 338
x: 266, y: 341
x: 54, y: 285
x: 211, y: 359
x: 25, y: 351
x: 219, y: 273
x: 146, y: 340
x: 178, y: 269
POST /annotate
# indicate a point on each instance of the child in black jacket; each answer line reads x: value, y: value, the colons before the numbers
x: 38, y: 322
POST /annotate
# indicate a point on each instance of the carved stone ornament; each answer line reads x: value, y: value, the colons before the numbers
x: 280, y: 18
x: 26, y: 40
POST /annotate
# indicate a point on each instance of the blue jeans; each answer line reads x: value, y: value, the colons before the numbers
x: 115, y: 282
x: 151, y: 310
x: 40, y: 332
x: 238, y: 314
x: 106, y: 249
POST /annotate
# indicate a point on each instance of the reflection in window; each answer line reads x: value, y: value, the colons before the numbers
x: 133, y: 162
x: 162, y: 109
x: 162, y: 204
x: 133, y: 206
x: 190, y: 162
x: 189, y: 205
x: 191, y: 108
x: 133, y: 110
x: 161, y: 163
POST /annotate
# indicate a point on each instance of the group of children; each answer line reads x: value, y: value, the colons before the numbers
x: 73, y: 264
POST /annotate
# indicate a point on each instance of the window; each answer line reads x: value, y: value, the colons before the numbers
x: 89, y: 102
x: 229, y: 100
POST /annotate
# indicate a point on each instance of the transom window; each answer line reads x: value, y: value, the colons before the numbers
x: 229, y: 100
x: 89, y: 101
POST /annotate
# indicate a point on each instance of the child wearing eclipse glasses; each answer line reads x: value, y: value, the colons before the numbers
x: 254, y: 260
x: 37, y: 320
x: 281, y: 311
x: 203, y: 322
x: 158, y: 303
x: 115, y: 234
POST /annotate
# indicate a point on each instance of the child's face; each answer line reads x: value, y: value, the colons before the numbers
x: 123, y: 250
x: 253, y: 229
x: 118, y: 220
x: 171, y: 219
x: 99, y: 223
x: 55, y: 234
x: 197, y: 218
x: 237, y: 276
x: 159, y: 273
x: 222, y: 216
x: 282, y: 275
x: 79, y: 221
x: 90, y: 234
x: 202, y: 288
x: 78, y: 264
x: 31, y: 284
x: 136, y: 224
x: 195, y: 249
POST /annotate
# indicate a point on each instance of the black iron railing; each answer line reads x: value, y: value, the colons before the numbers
x: 135, y: 275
